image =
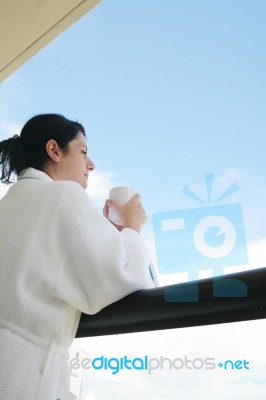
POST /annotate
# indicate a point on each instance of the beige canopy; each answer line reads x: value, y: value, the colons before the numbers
x: 26, y: 26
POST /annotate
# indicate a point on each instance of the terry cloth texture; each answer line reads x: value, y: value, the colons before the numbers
x: 58, y: 257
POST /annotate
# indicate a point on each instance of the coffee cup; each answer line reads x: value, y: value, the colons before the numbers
x: 121, y: 194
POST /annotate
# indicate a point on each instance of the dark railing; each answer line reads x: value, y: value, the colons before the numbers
x: 175, y: 306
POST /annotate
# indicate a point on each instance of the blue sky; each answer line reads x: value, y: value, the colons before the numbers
x: 167, y: 91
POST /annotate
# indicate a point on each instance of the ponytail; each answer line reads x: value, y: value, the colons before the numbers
x: 12, y: 160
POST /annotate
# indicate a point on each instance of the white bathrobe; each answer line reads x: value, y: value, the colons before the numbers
x: 58, y: 257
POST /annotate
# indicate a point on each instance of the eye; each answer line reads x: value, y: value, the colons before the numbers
x: 85, y: 153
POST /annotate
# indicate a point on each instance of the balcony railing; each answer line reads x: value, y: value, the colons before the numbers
x: 162, y: 308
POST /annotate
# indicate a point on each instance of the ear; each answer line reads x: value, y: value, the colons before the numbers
x: 54, y: 151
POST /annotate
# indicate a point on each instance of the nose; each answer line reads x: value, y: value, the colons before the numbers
x: 90, y: 165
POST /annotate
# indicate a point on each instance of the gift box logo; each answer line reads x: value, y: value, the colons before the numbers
x: 208, y: 237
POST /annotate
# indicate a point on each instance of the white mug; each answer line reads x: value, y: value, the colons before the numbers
x: 122, y: 194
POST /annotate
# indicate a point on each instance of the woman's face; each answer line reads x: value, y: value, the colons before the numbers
x: 75, y: 164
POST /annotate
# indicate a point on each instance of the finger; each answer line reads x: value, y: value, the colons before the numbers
x: 105, y: 210
x: 136, y: 197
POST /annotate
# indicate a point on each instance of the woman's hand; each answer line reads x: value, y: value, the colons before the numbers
x: 131, y: 213
x: 105, y: 213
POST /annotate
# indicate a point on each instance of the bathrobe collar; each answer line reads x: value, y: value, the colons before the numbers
x: 32, y: 173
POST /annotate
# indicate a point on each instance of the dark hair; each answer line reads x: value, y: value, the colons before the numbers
x: 29, y: 149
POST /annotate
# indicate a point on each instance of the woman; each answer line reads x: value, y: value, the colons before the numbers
x: 59, y: 256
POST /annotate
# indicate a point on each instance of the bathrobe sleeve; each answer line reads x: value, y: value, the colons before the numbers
x: 100, y: 265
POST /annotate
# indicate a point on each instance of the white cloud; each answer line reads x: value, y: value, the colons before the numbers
x: 234, y: 341
x: 242, y: 340
x: 256, y: 259
x: 99, y: 184
x: 257, y: 254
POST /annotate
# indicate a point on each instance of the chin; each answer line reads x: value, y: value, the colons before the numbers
x: 85, y: 185
x: 81, y: 183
